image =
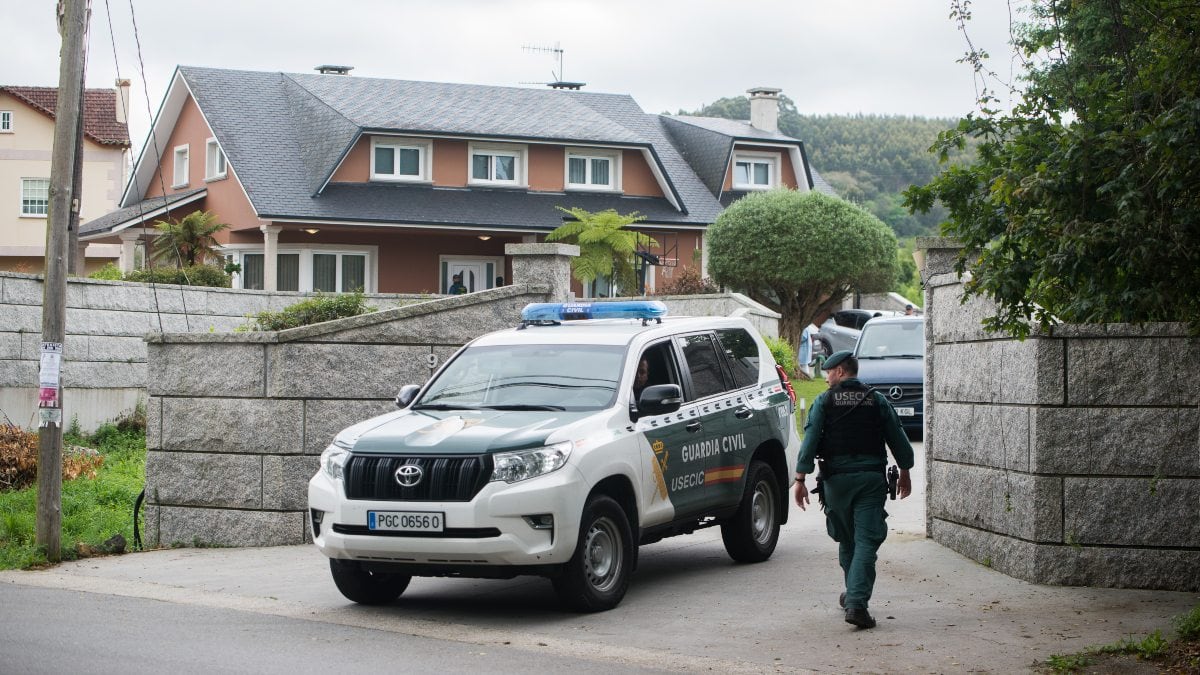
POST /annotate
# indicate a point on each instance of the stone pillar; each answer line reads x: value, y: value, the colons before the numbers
x: 545, y: 264
x: 270, y: 259
x: 129, y: 240
x: 935, y: 257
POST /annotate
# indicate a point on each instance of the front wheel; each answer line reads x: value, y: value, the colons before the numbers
x: 597, y: 576
x: 751, y: 534
x: 364, y: 587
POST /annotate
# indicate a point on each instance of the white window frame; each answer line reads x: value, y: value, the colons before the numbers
x: 6, y: 121
x: 519, y: 153
x: 370, y: 272
x: 771, y: 159
x: 424, y: 159
x: 588, y: 154
x: 21, y: 198
x: 177, y: 180
x: 213, y: 154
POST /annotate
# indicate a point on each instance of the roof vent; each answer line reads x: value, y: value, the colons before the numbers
x: 572, y: 86
x: 334, y: 70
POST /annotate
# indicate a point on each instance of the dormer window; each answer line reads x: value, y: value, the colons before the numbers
x: 497, y: 165
x: 755, y: 171
x: 399, y: 160
x: 590, y: 170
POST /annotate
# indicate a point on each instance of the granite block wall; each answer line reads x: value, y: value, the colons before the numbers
x: 1072, y: 457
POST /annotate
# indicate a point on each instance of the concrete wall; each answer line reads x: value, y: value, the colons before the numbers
x: 104, y: 373
x: 1072, y: 457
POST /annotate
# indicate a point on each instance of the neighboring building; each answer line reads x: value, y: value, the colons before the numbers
x: 26, y: 144
x: 332, y: 183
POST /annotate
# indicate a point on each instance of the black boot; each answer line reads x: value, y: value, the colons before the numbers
x: 859, y: 617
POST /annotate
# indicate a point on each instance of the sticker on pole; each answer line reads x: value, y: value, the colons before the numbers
x: 50, y: 417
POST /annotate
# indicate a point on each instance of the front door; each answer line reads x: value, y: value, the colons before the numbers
x: 473, y: 276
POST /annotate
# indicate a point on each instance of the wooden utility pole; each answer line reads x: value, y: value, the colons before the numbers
x: 72, y: 25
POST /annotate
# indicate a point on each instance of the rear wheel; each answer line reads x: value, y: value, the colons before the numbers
x: 752, y: 533
x: 597, y: 576
x: 364, y: 587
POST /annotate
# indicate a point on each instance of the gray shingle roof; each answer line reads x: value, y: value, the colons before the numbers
x: 707, y: 151
x: 146, y: 210
x: 476, y: 207
x: 265, y: 120
x: 739, y: 129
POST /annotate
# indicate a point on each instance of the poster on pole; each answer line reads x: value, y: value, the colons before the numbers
x: 51, y: 371
x: 50, y: 417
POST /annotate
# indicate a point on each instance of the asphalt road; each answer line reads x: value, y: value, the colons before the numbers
x: 689, y: 609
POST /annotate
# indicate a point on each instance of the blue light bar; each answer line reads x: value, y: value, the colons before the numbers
x: 574, y: 311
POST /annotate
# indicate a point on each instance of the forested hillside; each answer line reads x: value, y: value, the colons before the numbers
x: 869, y: 159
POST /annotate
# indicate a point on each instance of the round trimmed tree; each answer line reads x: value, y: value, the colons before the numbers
x: 800, y: 253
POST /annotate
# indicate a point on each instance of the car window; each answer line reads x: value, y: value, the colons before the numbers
x: 846, y: 320
x: 704, y: 365
x: 568, y: 377
x: 660, y: 366
x: 741, y: 354
x: 905, y: 338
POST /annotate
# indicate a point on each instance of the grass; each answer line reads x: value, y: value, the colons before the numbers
x: 93, y: 510
x: 1179, y: 655
x: 807, y: 390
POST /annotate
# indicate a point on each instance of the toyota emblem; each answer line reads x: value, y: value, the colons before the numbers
x: 409, y: 475
x: 895, y: 393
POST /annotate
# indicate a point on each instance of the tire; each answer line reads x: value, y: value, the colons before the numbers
x: 752, y: 533
x: 597, y: 576
x: 366, y: 588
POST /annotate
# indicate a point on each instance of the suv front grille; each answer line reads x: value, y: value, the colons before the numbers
x: 444, y: 479
x: 910, y: 393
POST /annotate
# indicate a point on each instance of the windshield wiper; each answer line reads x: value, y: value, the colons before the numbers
x: 524, y: 406
x: 447, y: 406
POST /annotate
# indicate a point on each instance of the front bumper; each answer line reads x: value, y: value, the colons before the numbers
x: 491, y: 529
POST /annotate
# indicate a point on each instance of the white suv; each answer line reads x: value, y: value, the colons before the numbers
x: 529, y: 452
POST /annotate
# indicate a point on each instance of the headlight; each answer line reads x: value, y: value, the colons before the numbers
x: 333, y: 460
x: 524, y: 464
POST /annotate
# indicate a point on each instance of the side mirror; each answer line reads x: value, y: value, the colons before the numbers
x: 659, y: 399
x: 407, y: 393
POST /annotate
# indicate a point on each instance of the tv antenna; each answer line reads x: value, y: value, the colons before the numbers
x: 558, y: 82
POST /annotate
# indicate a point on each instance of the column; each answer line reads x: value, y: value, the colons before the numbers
x: 546, y: 265
x: 270, y: 259
x: 129, y: 239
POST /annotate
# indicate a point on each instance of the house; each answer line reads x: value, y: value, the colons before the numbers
x: 333, y: 183
x: 26, y: 145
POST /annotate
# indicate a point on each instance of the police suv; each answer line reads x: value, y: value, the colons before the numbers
x: 557, y: 448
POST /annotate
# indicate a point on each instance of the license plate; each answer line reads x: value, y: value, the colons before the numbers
x: 906, y: 412
x: 406, y: 521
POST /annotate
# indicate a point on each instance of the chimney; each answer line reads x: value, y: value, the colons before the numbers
x: 122, y: 87
x: 334, y: 70
x: 764, y: 108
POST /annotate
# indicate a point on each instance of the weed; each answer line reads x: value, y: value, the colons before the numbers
x: 986, y: 562
x: 1068, y: 663
x: 1008, y: 502
x: 1187, y: 626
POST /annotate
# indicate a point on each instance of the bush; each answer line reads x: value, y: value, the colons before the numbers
x: 19, y: 459
x: 196, y: 275
x: 688, y: 282
x: 784, y: 353
x: 312, y: 310
x: 110, y: 272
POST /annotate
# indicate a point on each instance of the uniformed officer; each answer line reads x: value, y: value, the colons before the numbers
x: 847, y: 428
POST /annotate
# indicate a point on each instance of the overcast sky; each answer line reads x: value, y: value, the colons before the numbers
x: 829, y: 56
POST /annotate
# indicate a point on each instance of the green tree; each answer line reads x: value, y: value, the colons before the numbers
x: 1084, y: 202
x: 800, y: 253
x: 606, y: 245
x: 188, y: 240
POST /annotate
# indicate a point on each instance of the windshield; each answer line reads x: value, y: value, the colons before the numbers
x: 528, y: 377
x: 892, y: 340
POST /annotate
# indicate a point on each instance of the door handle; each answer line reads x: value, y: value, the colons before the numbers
x: 743, y: 413
x: 693, y: 427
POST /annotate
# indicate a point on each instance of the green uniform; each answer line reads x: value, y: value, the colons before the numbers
x: 847, y: 428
